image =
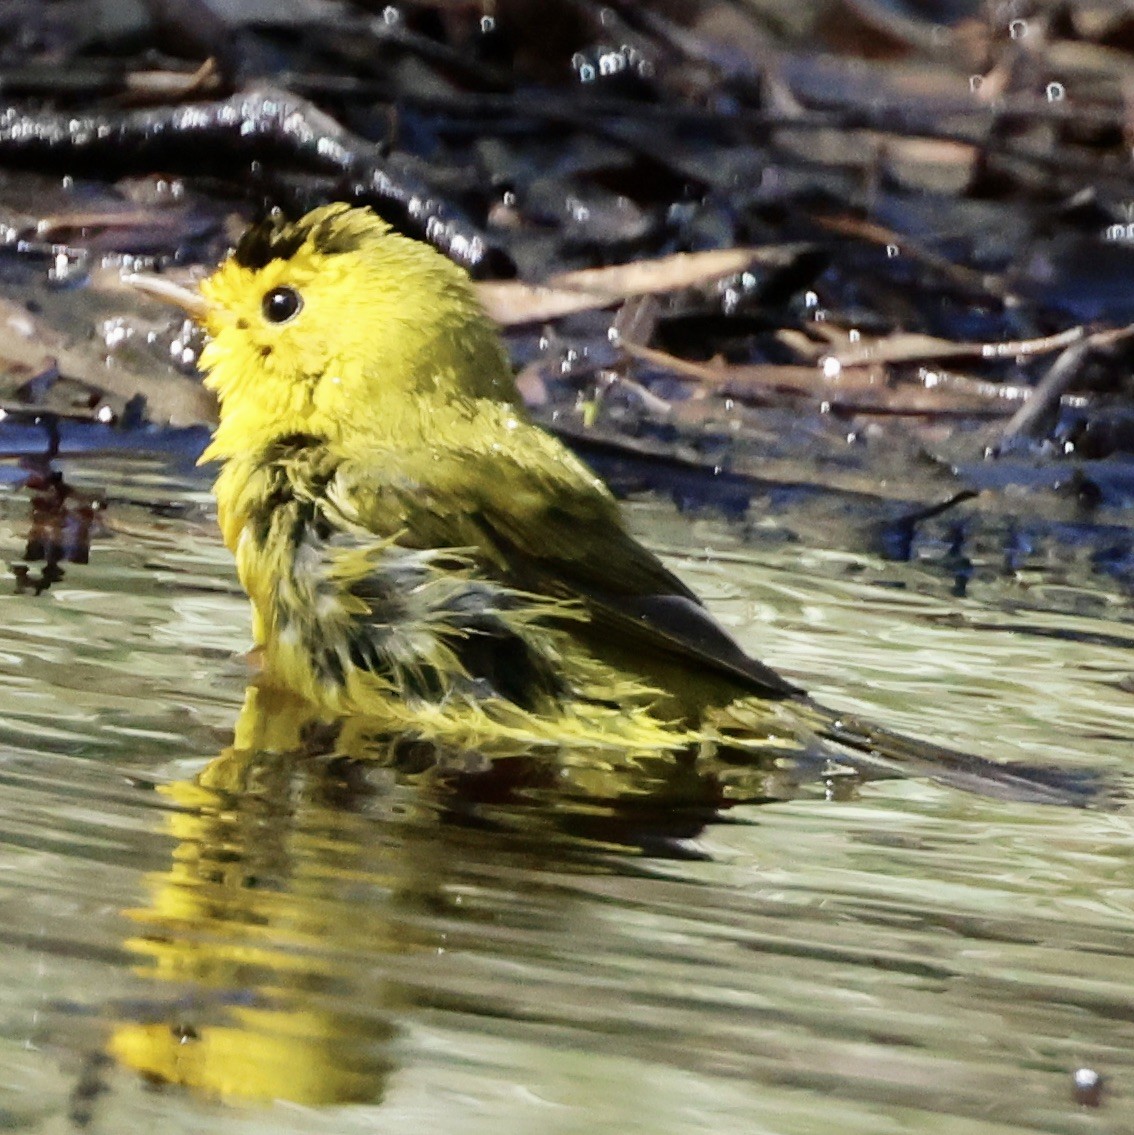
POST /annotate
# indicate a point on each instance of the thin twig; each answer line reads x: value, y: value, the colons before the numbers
x: 1059, y: 377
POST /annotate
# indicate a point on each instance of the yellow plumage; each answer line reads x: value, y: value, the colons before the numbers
x: 420, y: 553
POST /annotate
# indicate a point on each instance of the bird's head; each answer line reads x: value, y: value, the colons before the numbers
x: 338, y: 327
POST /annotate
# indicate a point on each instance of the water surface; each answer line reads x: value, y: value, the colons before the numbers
x: 205, y: 937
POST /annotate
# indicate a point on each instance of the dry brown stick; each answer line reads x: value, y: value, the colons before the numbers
x: 909, y: 348
x: 857, y: 392
x: 967, y: 278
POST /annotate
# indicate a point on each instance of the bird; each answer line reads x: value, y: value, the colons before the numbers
x: 419, y: 552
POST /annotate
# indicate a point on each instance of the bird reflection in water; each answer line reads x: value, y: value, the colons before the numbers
x: 313, y: 878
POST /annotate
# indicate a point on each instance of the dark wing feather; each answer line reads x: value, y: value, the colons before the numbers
x: 545, y: 525
x: 633, y: 596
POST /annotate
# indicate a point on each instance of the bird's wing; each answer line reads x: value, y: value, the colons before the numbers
x: 553, y: 529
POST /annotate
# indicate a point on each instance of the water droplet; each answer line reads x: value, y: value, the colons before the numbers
x: 854, y: 335
x: 893, y: 250
x: 115, y: 332
x: 1017, y: 29
x: 487, y: 24
x: 1087, y: 1087
x: 105, y: 414
x: 975, y: 83
x: 810, y: 299
x: 610, y: 62
x: 1055, y: 92
x: 831, y: 367
x: 66, y: 268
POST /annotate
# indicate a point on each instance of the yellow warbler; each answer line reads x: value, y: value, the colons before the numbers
x: 418, y: 551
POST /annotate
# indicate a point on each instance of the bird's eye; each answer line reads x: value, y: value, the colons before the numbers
x: 281, y: 304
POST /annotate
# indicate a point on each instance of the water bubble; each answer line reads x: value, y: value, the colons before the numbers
x: 1055, y: 92
x: 104, y: 414
x: 892, y: 250
x: 611, y: 62
x: 66, y: 268
x: 831, y: 367
x: 854, y: 335
x: 586, y: 73
x: 1017, y: 29
x: 975, y: 83
x: 115, y: 332
x: 1087, y: 1086
x: 580, y: 212
x: 392, y: 15
x: 810, y: 299
x: 487, y: 24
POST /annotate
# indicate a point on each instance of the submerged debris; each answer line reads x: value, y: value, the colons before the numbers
x: 803, y: 244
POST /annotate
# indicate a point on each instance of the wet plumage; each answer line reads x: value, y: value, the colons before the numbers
x: 418, y: 551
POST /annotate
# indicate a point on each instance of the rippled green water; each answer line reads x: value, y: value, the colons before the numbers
x: 907, y: 959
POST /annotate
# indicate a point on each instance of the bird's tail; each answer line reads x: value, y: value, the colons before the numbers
x: 811, y: 741
x: 879, y: 750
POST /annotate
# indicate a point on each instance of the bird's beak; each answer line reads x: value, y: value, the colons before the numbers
x: 188, y: 299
